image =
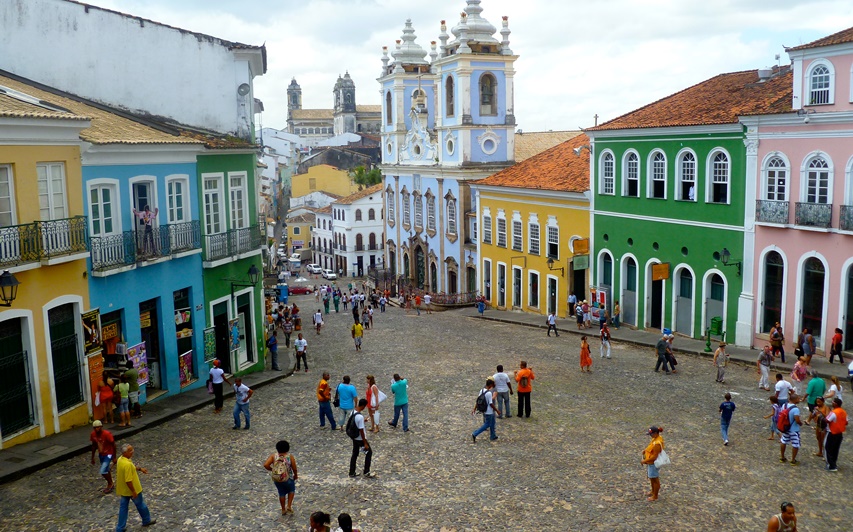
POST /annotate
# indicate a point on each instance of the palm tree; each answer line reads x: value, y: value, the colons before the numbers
x: 363, y: 177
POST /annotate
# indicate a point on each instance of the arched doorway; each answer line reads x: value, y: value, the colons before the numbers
x: 452, y: 284
x: 774, y: 279
x: 715, y: 299
x: 848, y: 314
x: 392, y: 260
x: 629, y: 291
x: 407, y: 270
x: 605, y: 280
x: 811, y: 303
x: 684, y: 283
x: 655, y: 298
x: 420, y: 267
x: 433, y: 277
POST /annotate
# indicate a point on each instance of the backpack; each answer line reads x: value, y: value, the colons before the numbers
x: 784, y: 421
x: 482, y: 402
x: 337, y: 400
x: 281, y: 468
x: 352, y: 429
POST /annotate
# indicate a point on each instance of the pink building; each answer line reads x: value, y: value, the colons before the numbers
x: 799, y: 245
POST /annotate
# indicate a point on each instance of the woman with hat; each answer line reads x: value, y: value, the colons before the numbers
x: 587, y: 319
x: 217, y: 377
x: 650, y: 454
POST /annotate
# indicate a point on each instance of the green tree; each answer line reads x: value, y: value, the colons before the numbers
x: 363, y: 177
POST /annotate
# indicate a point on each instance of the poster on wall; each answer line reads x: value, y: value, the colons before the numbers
x: 185, y: 368
x: 183, y: 323
x: 92, y: 331
x: 234, y: 334
x: 598, y: 304
x: 96, y: 374
x: 209, y: 345
x: 137, y: 356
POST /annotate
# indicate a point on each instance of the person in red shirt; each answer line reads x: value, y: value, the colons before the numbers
x: 835, y: 347
x: 104, y: 442
x: 837, y: 422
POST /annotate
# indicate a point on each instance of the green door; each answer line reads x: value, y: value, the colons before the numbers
x: 66, y: 364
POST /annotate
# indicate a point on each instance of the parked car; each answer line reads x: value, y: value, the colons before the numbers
x: 296, y: 256
x: 329, y: 274
x: 314, y: 268
x: 299, y: 289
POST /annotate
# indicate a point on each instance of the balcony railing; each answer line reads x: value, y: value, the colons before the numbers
x: 184, y: 236
x: 813, y: 214
x: 845, y: 222
x: 769, y: 211
x: 113, y: 251
x: 42, y: 240
x: 232, y: 243
x: 152, y: 242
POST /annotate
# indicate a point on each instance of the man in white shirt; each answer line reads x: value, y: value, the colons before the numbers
x: 427, y: 301
x: 572, y: 301
x: 783, y: 389
x: 301, y: 345
x: 359, y: 443
x: 242, y: 393
x: 489, y: 415
x: 552, y: 324
x: 318, y: 320
x: 503, y: 385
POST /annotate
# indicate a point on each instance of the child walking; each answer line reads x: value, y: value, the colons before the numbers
x: 774, y: 417
x: 727, y: 408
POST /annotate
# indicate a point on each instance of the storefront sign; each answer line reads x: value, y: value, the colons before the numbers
x: 137, y: 356
x: 580, y: 262
x: 660, y: 271
x: 209, y: 345
x: 96, y: 375
x: 185, y: 368
x: 581, y: 246
x: 145, y: 320
x: 109, y: 331
x: 92, y: 331
x: 183, y: 323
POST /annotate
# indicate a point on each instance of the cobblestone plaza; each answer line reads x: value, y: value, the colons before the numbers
x: 574, y: 465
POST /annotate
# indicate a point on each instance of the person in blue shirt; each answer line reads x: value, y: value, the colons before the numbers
x: 727, y: 408
x: 347, y: 396
x: 792, y: 436
x: 400, y: 389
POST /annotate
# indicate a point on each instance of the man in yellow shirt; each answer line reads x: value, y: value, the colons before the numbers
x: 357, y: 333
x: 128, y: 488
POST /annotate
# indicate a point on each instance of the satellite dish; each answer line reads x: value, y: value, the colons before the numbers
x: 243, y: 89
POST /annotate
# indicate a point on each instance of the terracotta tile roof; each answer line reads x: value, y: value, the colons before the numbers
x: 325, y: 210
x: 557, y: 168
x: 719, y: 100
x: 216, y: 141
x: 368, y: 108
x: 106, y: 127
x: 312, y: 114
x: 352, y: 198
x: 842, y: 37
x: 14, y: 105
x: 530, y: 143
x: 306, y: 218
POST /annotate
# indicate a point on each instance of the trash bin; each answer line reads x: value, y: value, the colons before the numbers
x: 717, y: 326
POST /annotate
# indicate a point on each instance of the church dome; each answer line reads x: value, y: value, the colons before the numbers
x: 409, y: 52
x: 478, y: 29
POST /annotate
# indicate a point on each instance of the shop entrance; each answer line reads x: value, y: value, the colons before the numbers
x: 149, y: 325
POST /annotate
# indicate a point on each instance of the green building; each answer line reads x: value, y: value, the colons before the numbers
x: 669, y: 196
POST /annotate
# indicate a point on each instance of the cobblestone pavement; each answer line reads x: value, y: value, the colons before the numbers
x: 574, y: 465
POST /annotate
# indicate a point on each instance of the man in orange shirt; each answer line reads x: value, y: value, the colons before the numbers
x: 837, y: 421
x: 324, y: 395
x: 524, y: 377
x: 418, y: 304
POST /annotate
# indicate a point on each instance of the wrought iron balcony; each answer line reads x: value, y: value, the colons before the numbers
x: 359, y: 247
x: 184, y: 236
x: 813, y: 214
x: 770, y: 211
x: 42, y: 240
x: 845, y: 222
x: 113, y: 251
x: 374, y: 247
x: 152, y: 242
x: 232, y: 243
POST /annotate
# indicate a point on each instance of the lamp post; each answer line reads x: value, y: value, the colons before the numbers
x: 254, y: 277
x: 552, y: 268
x: 8, y: 288
x: 725, y: 257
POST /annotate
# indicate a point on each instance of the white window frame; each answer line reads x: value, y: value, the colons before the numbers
x: 608, y: 178
x: 625, y: 172
x: 222, y: 221
x: 810, y: 78
x: 452, y: 228
x: 710, y: 173
x: 804, y: 177
x: 487, y: 229
x: 531, y: 292
x: 679, y: 163
x: 501, y: 231
x: 419, y: 209
x: 13, y: 215
x: 517, y: 234
x: 534, y: 235
x: 184, y: 181
x: 113, y: 186
x: 552, y: 235
x: 243, y: 205
x: 767, y: 170
x: 52, y: 207
x: 657, y: 173
x: 390, y: 206
x: 430, y: 211
x: 407, y: 209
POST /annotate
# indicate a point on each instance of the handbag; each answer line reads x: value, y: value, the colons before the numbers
x: 337, y: 400
x: 210, y: 386
x: 662, y: 459
x: 382, y: 396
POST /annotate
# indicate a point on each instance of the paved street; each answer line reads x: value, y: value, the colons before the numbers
x: 574, y: 465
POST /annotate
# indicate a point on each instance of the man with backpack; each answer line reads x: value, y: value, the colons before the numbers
x: 524, y: 377
x: 485, y: 405
x: 789, y: 425
x: 355, y: 430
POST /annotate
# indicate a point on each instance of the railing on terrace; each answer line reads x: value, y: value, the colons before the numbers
x: 46, y: 239
x: 184, y: 236
x: 152, y: 243
x: 231, y: 243
x: 813, y: 214
x: 113, y: 251
x: 769, y: 211
x: 845, y: 222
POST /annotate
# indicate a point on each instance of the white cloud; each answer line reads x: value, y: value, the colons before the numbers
x: 576, y: 59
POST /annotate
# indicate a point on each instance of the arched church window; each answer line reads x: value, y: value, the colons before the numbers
x: 448, y: 96
x: 388, y: 107
x: 488, y: 95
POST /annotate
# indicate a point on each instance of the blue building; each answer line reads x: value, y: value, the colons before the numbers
x: 446, y: 121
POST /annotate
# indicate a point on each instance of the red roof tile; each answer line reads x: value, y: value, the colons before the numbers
x: 556, y: 169
x: 719, y: 100
x: 842, y: 37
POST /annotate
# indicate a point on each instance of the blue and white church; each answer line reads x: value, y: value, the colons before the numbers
x: 446, y: 122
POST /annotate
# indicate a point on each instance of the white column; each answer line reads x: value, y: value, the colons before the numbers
x: 745, y: 305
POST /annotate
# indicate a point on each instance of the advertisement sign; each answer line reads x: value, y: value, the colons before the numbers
x: 137, y: 356
x: 185, y: 368
x: 96, y: 375
x: 599, y: 304
x: 209, y: 345
x: 234, y: 334
x: 92, y: 331
x: 580, y: 262
x: 145, y: 320
x: 109, y: 331
x: 660, y: 271
x: 183, y: 322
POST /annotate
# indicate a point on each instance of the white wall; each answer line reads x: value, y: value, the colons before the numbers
x: 130, y: 63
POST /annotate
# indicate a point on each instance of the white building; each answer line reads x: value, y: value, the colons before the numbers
x: 133, y: 63
x: 323, y: 239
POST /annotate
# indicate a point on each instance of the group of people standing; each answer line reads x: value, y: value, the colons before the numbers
x: 494, y: 398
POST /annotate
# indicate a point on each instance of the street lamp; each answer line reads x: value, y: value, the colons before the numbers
x: 254, y: 277
x: 8, y: 288
x: 725, y: 257
x: 552, y: 268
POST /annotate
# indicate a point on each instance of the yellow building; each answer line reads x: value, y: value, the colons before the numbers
x: 533, y: 221
x: 299, y: 230
x: 44, y: 380
x: 323, y: 178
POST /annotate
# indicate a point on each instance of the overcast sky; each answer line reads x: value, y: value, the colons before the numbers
x: 577, y: 58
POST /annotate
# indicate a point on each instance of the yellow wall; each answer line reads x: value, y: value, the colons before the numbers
x: 323, y: 178
x: 573, y: 220
x: 42, y: 284
x: 304, y: 235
